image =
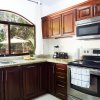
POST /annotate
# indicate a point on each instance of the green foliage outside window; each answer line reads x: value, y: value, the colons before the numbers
x: 21, y: 32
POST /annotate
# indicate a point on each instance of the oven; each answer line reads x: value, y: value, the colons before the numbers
x: 77, y: 92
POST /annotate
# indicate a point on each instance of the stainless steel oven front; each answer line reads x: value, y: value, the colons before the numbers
x: 79, y: 93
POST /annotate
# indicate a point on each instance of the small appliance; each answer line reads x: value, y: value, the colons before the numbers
x: 88, y: 28
x: 58, y: 54
x: 61, y: 55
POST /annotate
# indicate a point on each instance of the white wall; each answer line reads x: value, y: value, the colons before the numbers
x: 70, y: 45
x: 29, y: 10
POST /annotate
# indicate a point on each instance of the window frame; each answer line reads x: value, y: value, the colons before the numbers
x: 18, y: 24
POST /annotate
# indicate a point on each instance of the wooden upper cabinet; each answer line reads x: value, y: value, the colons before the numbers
x: 68, y: 23
x: 84, y: 12
x: 97, y: 9
x: 56, y: 26
x: 45, y: 27
x: 62, y: 23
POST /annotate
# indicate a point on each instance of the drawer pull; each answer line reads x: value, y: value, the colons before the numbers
x: 60, y: 77
x: 6, y: 75
x: 2, y: 75
x: 61, y: 94
x: 60, y: 69
x: 30, y: 67
x: 61, y: 85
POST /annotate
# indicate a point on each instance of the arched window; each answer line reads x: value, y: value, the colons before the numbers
x: 17, y: 34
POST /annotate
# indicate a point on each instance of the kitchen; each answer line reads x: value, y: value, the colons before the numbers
x: 67, y: 43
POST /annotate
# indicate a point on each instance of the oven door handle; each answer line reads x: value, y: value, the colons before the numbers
x: 95, y: 72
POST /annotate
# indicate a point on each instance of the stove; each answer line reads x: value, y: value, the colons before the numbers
x: 87, y: 61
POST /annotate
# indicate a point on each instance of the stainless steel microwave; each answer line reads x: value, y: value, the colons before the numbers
x: 88, y: 28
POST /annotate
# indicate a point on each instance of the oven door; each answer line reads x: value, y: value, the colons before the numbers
x: 80, y: 93
x: 94, y: 86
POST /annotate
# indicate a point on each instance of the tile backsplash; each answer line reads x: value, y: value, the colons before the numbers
x: 70, y: 45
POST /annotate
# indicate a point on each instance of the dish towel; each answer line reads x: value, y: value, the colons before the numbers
x: 80, y: 77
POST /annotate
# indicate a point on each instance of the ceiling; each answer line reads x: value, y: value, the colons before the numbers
x: 48, y: 2
x: 54, y: 2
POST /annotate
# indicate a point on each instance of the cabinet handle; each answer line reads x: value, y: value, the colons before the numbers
x: 61, y: 85
x: 53, y: 69
x: 2, y: 75
x: 60, y: 69
x: 60, y: 77
x: 95, y: 10
x: 61, y: 94
x: 18, y: 65
x: 30, y: 66
x: 6, y: 75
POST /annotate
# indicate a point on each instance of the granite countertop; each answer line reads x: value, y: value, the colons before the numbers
x: 57, y: 60
x: 11, y: 61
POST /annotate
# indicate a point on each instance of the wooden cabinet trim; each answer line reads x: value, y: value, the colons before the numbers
x: 84, y: 12
x: 97, y: 9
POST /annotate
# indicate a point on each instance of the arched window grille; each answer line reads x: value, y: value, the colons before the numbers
x: 17, y: 34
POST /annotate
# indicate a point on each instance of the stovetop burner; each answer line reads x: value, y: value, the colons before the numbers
x: 88, y: 61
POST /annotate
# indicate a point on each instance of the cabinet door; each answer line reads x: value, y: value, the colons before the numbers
x: 13, y: 84
x: 43, y: 78
x: 97, y: 9
x: 56, y: 26
x: 51, y: 78
x: 30, y: 81
x: 84, y: 12
x: 1, y: 85
x: 68, y: 23
x: 45, y: 27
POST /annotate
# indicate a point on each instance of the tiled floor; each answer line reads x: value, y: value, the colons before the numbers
x: 46, y: 97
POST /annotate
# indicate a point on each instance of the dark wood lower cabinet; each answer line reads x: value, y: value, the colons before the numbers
x: 61, y: 81
x: 29, y: 81
x: 43, y: 78
x: 51, y: 78
x: 13, y: 83
x: 1, y: 85
x: 57, y: 80
x: 34, y: 80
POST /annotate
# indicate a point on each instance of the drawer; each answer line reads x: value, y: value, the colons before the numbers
x: 61, y: 68
x: 61, y: 77
x: 61, y: 86
x: 61, y: 95
x: 63, y: 83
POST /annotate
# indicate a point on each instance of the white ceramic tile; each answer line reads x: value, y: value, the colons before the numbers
x: 47, y: 97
